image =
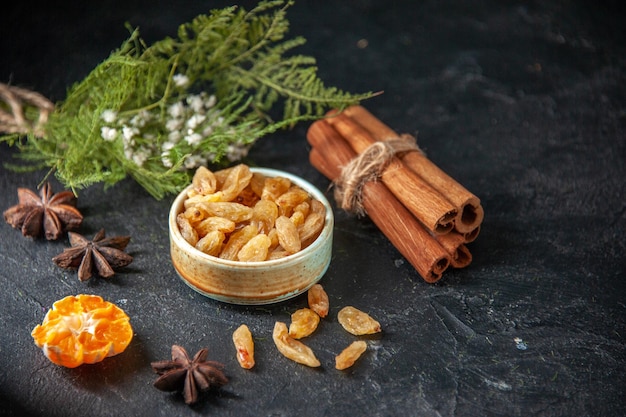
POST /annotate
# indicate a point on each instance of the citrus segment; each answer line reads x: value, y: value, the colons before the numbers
x: 83, y: 329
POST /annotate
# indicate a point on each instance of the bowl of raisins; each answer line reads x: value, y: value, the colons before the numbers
x: 249, y: 236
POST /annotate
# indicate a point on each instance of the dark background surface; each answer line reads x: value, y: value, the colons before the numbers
x: 522, y: 102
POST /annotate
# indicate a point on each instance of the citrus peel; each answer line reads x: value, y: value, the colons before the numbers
x: 83, y: 329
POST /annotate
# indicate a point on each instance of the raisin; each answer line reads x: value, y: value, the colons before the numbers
x: 211, y: 243
x: 255, y: 250
x: 291, y: 348
x: 232, y: 211
x: 318, y: 300
x: 195, y: 215
x: 214, y: 223
x: 290, y: 199
x: 236, y: 241
x: 204, y: 181
x: 274, y: 188
x: 357, y: 322
x: 350, y: 355
x: 311, y: 228
x: 186, y: 229
x: 237, y: 180
x: 288, y: 234
x: 264, y: 214
x: 244, y: 344
x: 303, y: 322
x: 257, y: 182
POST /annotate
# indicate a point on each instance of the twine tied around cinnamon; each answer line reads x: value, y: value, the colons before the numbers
x: 368, y: 166
x: 14, y: 117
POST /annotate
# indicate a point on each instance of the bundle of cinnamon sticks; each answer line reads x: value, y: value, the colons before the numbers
x: 427, y: 215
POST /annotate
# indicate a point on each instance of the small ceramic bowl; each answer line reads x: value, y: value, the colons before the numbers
x: 250, y: 283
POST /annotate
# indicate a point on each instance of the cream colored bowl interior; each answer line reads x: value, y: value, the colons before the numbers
x: 263, y: 282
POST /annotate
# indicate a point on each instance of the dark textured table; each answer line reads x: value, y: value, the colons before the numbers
x: 522, y: 102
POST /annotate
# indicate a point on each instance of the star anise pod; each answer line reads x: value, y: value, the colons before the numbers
x: 102, y: 254
x: 52, y: 214
x: 188, y: 375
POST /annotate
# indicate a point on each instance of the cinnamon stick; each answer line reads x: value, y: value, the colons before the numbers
x: 454, y: 244
x: 329, y: 154
x: 417, y: 195
x: 470, y: 212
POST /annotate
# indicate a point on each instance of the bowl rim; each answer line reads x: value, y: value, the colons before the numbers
x: 326, y: 232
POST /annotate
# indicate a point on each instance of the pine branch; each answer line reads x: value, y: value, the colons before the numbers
x: 154, y: 113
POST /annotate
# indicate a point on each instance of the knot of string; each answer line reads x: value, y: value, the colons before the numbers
x: 368, y: 166
x: 14, y: 104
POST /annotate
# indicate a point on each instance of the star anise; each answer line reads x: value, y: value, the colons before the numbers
x: 102, y: 255
x: 52, y: 214
x: 188, y: 376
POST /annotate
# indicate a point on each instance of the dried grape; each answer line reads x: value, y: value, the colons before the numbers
x: 241, y: 204
x: 275, y: 187
x: 194, y: 215
x: 211, y: 243
x: 236, y: 241
x: 187, y: 230
x: 214, y: 223
x: 238, y: 178
x: 291, y: 348
x: 255, y: 249
x: 304, y: 321
x: 318, y: 300
x: 357, y: 322
x: 264, y: 214
x: 349, y: 355
x: 257, y: 182
x: 247, y: 197
x: 273, y: 235
x: 297, y: 218
x: 304, y: 208
x: 290, y: 199
x: 317, y: 207
x: 288, y: 234
x: 227, y: 209
x: 311, y: 228
x: 221, y: 175
x: 204, y: 181
x: 244, y: 344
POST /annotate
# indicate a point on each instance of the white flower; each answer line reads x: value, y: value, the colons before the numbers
x: 174, y: 136
x: 236, y: 152
x: 108, y: 133
x: 166, y: 161
x: 210, y: 101
x: 167, y: 146
x: 173, y: 125
x: 194, y: 161
x: 140, y: 119
x: 196, y: 103
x: 109, y: 116
x: 193, y: 139
x: 176, y: 109
x: 181, y: 80
x: 195, y: 120
x: 128, y: 132
x: 206, y: 132
x: 139, y: 158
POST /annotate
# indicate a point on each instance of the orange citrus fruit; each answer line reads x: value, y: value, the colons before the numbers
x: 82, y: 329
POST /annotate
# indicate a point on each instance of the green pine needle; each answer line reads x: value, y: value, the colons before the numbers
x: 239, y: 59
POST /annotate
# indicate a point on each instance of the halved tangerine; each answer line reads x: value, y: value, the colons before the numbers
x: 83, y: 329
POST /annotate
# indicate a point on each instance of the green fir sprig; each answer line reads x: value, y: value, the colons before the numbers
x: 157, y: 112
